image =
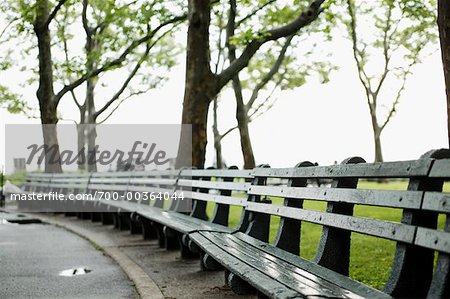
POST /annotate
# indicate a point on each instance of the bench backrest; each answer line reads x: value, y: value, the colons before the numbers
x: 113, y: 184
x: 37, y: 182
x: 416, y: 235
x: 153, y: 187
x: 221, y: 187
x: 69, y: 183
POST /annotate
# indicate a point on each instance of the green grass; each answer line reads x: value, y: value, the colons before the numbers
x: 370, y: 258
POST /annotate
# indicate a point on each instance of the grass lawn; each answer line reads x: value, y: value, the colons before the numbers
x: 370, y: 258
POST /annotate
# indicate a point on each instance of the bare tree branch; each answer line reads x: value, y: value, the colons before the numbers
x: 54, y: 12
x: 275, y: 67
x: 305, y: 18
x: 357, y: 54
x: 125, y: 83
x: 228, y: 132
x: 254, y: 114
x: 406, y: 74
x: 123, y: 100
x: 131, y: 75
x: 254, y: 12
x: 386, y: 48
x: 119, y: 60
x: 7, y: 26
x: 66, y: 56
x: 84, y: 19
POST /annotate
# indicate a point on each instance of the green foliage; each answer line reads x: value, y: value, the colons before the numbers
x: 304, y: 60
x: 114, y: 26
x: 11, y: 101
x: 402, y: 32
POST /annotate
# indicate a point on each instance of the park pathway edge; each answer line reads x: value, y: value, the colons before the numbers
x: 145, y: 286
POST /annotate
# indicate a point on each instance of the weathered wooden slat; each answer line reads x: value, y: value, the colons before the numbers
x: 243, y: 258
x: 436, y: 201
x: 177, y: 221
x: 111, y: 181
x: 433, y: 239
x: 292, y: 277
x: 77, y: 186
x: 384, y: 198
x: 38, y: 183
x: 440, y: 169
x: 152, y: 181
x: 105, y: 187
x: 40, y: 174
x: 228, y: 200
x: 217, y: 173
x: 403, y: 169
x: 378, y: 228
x: 324, y: 273
x: 218, y: 185
x: 155, y: 173
x: 70, y: 180
x: 266, y: 284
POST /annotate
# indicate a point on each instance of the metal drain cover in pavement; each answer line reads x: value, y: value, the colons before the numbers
x: 75, y: 271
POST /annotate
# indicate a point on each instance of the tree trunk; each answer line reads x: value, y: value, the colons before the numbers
x: 92, y: 155
x: 81, y: 139
x: 91, y: 127
x: 241, y: 109
x: 246, y: 145
x: 91, y: 47
x: 200, y: 87
x: 376, y: 136
x: 444, y: 35
x: 378, y: 151
x: 81, y: 150
x: 45, y: 92
x: 217, y: 137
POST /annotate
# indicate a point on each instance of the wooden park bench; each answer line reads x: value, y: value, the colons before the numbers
x: 164, y: 218
x: 221, y: 188
x: 277, y: 271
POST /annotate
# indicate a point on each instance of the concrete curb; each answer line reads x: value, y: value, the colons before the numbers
x: 145, y: 286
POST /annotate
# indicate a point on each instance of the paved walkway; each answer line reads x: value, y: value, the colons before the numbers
x: 33, y: 255
x: 156, y: 272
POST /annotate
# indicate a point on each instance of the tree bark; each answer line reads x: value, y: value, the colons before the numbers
x: 246, y: 144
x: 200, y: 86
x: 45, y: 92
x: 217, y: 137
x: 81, y: 143
x: 376, y: 136
x: 90, y: 47
x: 241, y: 109
x: 378, y: 151
x: 444, y: 35
x: 91, y: 126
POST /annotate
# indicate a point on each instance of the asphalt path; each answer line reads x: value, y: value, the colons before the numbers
x: 39, y: 260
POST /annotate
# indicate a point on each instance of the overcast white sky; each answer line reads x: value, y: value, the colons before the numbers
x: 320, y: 123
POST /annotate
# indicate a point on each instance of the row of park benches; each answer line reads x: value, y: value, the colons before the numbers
x: 276, y: 269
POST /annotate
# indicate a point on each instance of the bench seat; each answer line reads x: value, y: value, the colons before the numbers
x: 181, y: 223
x: 177, y: 221
x: 277, y: 273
